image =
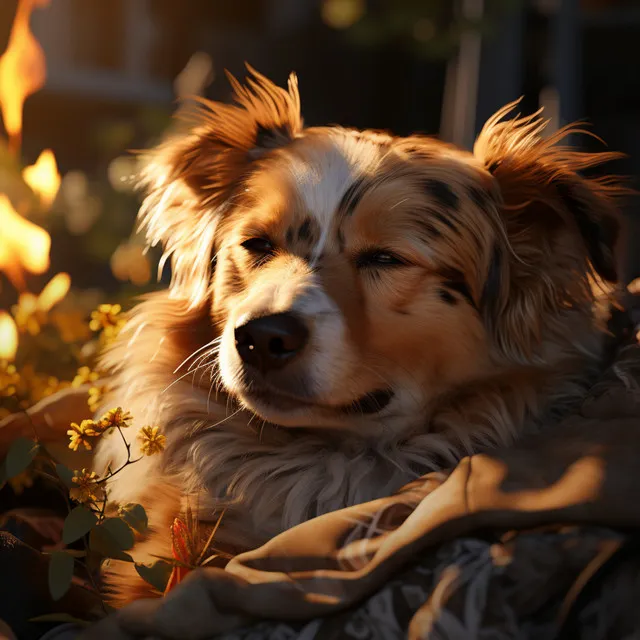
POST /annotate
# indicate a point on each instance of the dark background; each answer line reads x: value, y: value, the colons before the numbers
x: 433, y: 66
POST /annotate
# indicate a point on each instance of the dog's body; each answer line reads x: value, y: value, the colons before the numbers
x: 350, y: 310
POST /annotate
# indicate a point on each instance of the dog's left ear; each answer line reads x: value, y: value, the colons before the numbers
x: 556, y: 227
x: 543, y: 186
x: 191, y: 179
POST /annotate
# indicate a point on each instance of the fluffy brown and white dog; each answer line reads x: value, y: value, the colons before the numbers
x: 350, y: 310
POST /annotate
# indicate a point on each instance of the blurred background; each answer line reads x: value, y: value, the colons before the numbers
x: 102, y: 78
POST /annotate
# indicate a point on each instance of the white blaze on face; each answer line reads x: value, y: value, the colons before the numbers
x: 325, y: 174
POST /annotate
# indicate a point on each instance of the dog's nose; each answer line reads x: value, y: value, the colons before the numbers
x: 271, y: 342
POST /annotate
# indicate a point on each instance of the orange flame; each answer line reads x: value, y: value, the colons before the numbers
x: 43, y: 177
x: 23, y: 245
x: 22, y: 71
x: 8, y: 337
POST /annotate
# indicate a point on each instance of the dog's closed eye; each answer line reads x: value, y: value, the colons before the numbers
x: 260, y: 248
x: 379, y: 259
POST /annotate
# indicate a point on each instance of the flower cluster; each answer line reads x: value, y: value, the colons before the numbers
x: 84, y: 433
x: 53, y: 339
x: 107, y: 320
x: 28, y: 315
x: 84, y: 376
x: 9, y: 378
x: 96, y: 394
x: 87, y: 487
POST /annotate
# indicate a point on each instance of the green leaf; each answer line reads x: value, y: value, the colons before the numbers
x: 102, y: 542
x: 121, y: 532
x: 65, y: 474
x: 60, y: 574
x: 77, y: 524
x: 156, y: 574
x: 60, y: 617
x: 135, y: 516
x: 21, y: 454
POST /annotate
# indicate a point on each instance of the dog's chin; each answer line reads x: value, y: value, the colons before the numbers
x: 288, y: 411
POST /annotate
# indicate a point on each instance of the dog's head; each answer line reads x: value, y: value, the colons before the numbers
x: 354, y: 278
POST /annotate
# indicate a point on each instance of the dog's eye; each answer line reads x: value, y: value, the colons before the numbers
x: 259, y: 246
x: 379, y: 259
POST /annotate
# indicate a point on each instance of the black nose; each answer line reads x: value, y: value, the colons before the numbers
x: 271, y: 342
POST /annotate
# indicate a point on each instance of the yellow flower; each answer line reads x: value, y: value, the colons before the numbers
x: 84, y: 376
x: 9, y: 379
x: 95, y: 397
x: 105, y: 317
x: 115, y: 418
x: 21, y: 482
x: 151, y: 442
x: 53, y: 385
x: 27, y: 314
x: 87, y: 489
x: 79, y: 434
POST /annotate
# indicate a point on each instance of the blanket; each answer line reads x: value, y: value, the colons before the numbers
x: 540, y: 540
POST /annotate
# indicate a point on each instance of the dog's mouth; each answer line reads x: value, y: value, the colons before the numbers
x: 368, y: 404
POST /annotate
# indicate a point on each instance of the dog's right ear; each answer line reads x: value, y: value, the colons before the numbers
x: 189, y: 179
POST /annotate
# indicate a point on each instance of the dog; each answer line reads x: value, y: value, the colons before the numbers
x: 350, y: 310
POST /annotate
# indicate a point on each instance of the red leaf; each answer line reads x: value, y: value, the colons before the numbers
x: 180, y: 551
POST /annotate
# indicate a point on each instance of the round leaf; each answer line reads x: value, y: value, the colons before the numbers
x: 103, y: 543
x: 121, y: 532
x: 135, y: 516
x: 77, y: 524
x: 20, y: 455
x: 60, y: 574
x: 156, y: 574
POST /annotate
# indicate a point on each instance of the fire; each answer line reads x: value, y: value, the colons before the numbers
x: 8, y: 337
x: 23, y: 245
x: 43, y: 177
x: 22, y: 71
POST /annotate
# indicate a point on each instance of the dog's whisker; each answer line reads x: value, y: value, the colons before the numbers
x: 182, y: 377
x: 198, y: 350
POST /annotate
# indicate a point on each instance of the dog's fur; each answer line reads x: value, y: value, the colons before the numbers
x: 462, y: 282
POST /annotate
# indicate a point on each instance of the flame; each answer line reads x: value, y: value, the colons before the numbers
x: 56, y: 289
x: 8, y: 337
x: 43, y: 177
x: 22, y: 70
x: 23, y: 245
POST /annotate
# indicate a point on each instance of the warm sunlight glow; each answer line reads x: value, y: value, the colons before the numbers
x: 23, y: 245
x: 341, y: 14
x: 43, y: 177
x: 54, y: 291
x: 22, y: 71
x: 8, y: 337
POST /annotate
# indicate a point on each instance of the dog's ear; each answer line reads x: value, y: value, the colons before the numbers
x: 190, y: 178
x: 559, y: 227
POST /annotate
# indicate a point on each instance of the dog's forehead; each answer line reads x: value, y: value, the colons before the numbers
x: 322, y: 170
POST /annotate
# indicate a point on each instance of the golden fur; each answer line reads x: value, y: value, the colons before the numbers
x: 458, y: 285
